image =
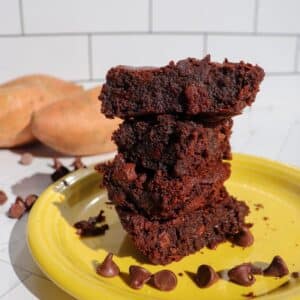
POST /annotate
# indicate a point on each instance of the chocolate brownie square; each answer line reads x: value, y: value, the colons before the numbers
x: 165, y: 241
x: 158, y: 195
x: 172, y: 144
x: 189, y: 87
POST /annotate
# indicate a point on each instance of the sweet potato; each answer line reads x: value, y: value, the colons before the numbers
x: 75, y: 126
x: 20, y: 98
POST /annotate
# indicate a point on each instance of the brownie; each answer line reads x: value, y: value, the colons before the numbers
x: 165, y: 241
x: 172, y: 144
x: 188, y: 87
x: 158, y: 195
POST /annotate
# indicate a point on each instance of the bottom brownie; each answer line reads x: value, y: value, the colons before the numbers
x: 165, y: 241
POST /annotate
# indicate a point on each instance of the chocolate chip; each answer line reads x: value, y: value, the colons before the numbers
x: 3, y: 197
x: 165, y: 280
x: 244, y: 238
x: 26, y: 159
x: 242, y: 275
x: 277, y: 268
x: 206, y: 276
x: 30, y: 200
x: 59, y: 173
x: 78, y: 164
x: 56, y: 164
x: 138, y: 276
x: 295, y: 275
x: 17, y: 210
x: 108, y: 268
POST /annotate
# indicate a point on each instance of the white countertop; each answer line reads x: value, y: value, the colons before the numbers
x: 270, y: 129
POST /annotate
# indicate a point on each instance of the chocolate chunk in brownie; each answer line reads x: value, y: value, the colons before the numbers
x: 189, y: 87
x: 165, y: 241
x: 168, y: 143
x: 158, y: 195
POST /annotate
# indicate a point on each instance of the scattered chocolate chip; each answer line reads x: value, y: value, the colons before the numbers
x: 277, y: 268
x: 242, y: 275
x: 295, y: 275
x: 59, y: 173
x: 3, y: 197
x: 206, y: 276
x: 180, y: 274
x: 138, y: 276
x: 265, y: 218
x: 56, y: 164
x: 30, y: 200
x: 17, y: 209
x: 26, y: 159
x: 108, y: 268
x: 91, y: 226
x: 78, y: 164
x: 164, y: 280
x: 243, y: 239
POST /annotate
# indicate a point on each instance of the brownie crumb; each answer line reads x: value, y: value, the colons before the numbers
x: 250, y: 295
x: 265, y: 218
x: 78, y: 164
x: 92, y: 227
x: 26, y: 159
x: 56, y: 164
x: 180, y: 274
x: 258, y: 206
x: 295, y: 275
x: 3, y: 197
x: 108, y: 268
x: 17, y: 209
x: 30, y: 200
x: 59, y: 173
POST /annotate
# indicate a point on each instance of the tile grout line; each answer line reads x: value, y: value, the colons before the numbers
x: 255, y: 21
x: 21, y: 16
x: 205, y: 37
x: 139, y: 33
x: 90, y: 57
x: 150, y: 16
x: 297, y: 54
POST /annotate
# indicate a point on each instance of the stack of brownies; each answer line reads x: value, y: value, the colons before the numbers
x: 167, y: 180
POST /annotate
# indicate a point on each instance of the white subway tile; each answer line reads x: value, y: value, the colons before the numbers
x: 9, y: 17
x: 279, y: 16
x: 85, y: 16
x: 274, y: 54
x: 279, y: 94
x: 63, y: 56
x: 203, y: 15
x: 291, y: 145
x: 156, y: 50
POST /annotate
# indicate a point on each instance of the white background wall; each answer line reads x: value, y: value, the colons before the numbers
x: 79, y: 40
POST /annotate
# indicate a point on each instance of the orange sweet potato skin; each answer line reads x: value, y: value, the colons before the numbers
x: 75, y: 125
x: 21, y: 97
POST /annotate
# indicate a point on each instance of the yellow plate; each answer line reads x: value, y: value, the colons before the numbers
x: 70, y: 261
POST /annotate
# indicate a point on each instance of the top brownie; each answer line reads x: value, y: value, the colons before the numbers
x: 190, y: 87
